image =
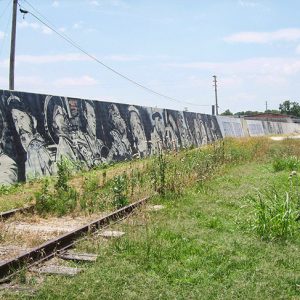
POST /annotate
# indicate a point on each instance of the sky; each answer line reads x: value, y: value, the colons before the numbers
x: 173, y: 47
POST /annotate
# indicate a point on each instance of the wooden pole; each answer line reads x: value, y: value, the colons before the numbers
x: 216, y: 95
x: 13, y: 47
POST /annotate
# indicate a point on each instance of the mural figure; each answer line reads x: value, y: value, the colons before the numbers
x: 121, y: 148
x: 200, y: 131
x: 157, y: 133
x: 57, y: 124
x: 8, y: 168
x: 38, y: 160
x: 90, y: 147
x: 47, y: 128
x: 171, y: 132
x: 138, y: 131
x: 213, y: 128
x: 184, y: 133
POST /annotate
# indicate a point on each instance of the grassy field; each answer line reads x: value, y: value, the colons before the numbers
x: 205, y: 244
x: 228, y: 232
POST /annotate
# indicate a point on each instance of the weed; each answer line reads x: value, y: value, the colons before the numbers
x: 119, y: 190
x: 9, y: 189
x: 275, y: 214
x: 89, y: 197
x: 104, y: 177
x: 286, y: 163
x: 63, y: 199
x: 64, y: 173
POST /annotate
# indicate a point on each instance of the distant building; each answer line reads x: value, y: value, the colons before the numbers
x: 273, y: 118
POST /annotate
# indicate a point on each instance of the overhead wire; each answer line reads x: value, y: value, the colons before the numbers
x: 78, y: 47
x: 6, y: 28
x: 5, y: 9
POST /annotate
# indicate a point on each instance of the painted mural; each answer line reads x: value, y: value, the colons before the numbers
x: 36, y: 131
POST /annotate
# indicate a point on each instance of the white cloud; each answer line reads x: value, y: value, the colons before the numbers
x: 25, y: 24
x: 77, y: 25
x: 46, y: 30
x: 75, y: 81
x: 258, y: 65
x: 94, y: 2
x: 44, y: 59
x: 35, y: 26
x: 124, y: 58
x: 62, y: 29
x: 29, y: 80
x: 2, y: 35
x: 297, y: 49
x: 115, y: 3
x: 248, y: 3
x: 282, y: 35
x: 55, y: 3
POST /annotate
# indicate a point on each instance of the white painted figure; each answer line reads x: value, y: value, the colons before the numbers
x: 8, y: 167
x: 38, y: 161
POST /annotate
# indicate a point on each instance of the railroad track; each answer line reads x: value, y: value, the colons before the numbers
x: 59, y: 245
x: 7, y: 214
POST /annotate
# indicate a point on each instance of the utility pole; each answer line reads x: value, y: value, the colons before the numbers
x: 216, y: 95
x: 266, y: 105
x: 13, y: 46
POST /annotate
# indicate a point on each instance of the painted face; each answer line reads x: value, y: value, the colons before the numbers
x: 60, y: 120
x: 136, y: 126
x: 91, y: 118
x: 24, y: 126
x: 116, y: 119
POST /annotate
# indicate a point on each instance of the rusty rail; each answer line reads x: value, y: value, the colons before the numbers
x: 50, y: 248
x: 7, y: 214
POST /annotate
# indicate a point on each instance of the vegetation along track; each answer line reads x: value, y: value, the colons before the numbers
x: 49, y: 249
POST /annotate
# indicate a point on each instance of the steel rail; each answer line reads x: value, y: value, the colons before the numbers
x: 50, y: 248
x: 7, y: 214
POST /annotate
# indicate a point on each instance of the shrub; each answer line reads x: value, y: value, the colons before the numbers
x: 275, y: 214
x: 61, y: 200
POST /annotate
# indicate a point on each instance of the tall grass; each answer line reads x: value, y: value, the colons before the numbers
x: 291, y: 163
x: 169, y: 173
x: 275, y: 215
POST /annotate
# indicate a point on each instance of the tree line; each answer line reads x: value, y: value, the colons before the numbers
x: 290, y: 108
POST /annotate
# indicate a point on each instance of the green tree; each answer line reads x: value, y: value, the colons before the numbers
x: 290, y: 108
x: 248, y: 113
x: 227, y: 112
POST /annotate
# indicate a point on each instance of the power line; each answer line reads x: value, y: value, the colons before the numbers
x: 78, y: 47
x: 5, y: 9
x: 5, y: 30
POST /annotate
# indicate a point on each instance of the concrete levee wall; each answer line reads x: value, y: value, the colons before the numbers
x: 37, y: 130
x: 231, y: 127
x: 239, y: 127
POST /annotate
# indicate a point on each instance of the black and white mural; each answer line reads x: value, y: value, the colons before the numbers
x: 36, y: 131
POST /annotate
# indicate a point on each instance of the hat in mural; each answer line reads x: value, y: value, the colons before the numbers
x: 132, y: 108
x: 156, y: 115
x: 15, y: 102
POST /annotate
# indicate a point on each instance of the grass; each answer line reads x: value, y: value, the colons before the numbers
x: 205, y: 243
x: 201, y: 246
x: 22, y: 194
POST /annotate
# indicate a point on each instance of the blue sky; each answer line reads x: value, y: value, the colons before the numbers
x: 171, y: 46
